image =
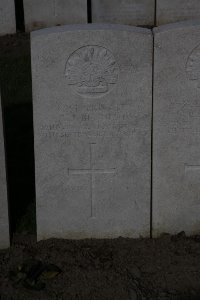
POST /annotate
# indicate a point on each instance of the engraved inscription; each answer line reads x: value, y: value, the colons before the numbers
x: 94, y: 121
x: 192, y: 173
x: 193, y: 66
x: 192, y: 168
x: 92, y: 71
x: 184, y: 118
x: 92, y: 172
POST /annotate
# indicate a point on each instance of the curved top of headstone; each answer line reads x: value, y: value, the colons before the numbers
x: 177, y: 26
x: 79, y: 27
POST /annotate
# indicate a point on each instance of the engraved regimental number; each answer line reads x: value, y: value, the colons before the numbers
x: 92, y: 71
x: 92, y: 172
x: 193, y: 66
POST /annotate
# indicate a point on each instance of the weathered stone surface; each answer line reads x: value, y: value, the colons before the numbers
x: 129, y: 12
x: 47, y: 13
x: 171, y: 11
x: 7, y: 17
x: 92, y: 122
x: 4, y: 224
x: 176, y: 155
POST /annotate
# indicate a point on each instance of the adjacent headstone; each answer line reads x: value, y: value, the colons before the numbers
x: 129, y: 12
x: 4, y: 224
x: 92, y: 122
x: 47, y: 13
x: 171, y: 11
x: 7, y: 17
x: 176, y: 146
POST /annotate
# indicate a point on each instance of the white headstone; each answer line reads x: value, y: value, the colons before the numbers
x: 4, y: 224
x: 129, y: 12
x: 171, y: 11
x: 7, y: 17
x: 92, y: 122
x: 47, y: 13
x: 176, y: 147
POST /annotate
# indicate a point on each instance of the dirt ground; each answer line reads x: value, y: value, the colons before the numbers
x: 165, y: 268
x: 128, y: 269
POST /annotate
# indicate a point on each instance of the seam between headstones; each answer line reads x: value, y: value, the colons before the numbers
x: 155, y: 14
x: 19, y: 15
x: 89, y: 11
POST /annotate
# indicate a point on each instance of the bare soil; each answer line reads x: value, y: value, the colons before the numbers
x: 165, y: 268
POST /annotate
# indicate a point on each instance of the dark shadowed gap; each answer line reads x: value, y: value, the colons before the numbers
x: 20, y: 168
x: 152, y: 136
x: 89, y: 10
x: 19, y: 12
x: 155, y: 14
x: 16, y: 92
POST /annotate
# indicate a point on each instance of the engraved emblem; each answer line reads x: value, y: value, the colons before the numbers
x: 193, y: 66
x: 92, y: 71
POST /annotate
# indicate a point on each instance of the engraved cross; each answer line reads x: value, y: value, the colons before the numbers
x: 92, y: 172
